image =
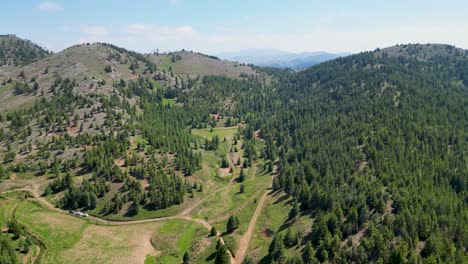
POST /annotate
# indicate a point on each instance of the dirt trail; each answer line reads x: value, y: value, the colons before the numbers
x: 235, y: 170
x: 38, y: 252
x: 245, y: 239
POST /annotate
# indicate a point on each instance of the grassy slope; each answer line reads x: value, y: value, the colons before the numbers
x: 8, y: 204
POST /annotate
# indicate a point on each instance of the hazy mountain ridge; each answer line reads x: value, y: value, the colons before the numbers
x: 280, y: 59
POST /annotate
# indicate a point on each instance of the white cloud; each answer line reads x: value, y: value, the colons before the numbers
x: 338, y: 41
x: 50, y: 7
x: 148, y: 37
x: 94, y: 30
x: 153, y: 30
x: 156, y: 34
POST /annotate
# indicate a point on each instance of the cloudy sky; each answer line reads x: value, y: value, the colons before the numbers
x: 213, y: 26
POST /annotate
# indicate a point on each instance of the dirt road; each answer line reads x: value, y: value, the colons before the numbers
x: 245, y: 239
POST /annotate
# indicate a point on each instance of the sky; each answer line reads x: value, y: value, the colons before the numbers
x: 215, y: 26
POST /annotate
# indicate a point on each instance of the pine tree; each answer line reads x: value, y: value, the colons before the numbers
x: 276, y: 249
x: 92, y: 200
x: 308, y: 255
x: 224, y: 163
x: 290, y: 239
x: 241, y: 176
x: 233, y: 223
x: 222, y: 256
x: 294, y: 211
x: 213, y: 231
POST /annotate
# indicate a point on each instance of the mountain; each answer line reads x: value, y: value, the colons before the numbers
x: 94, y: 67
x: 17, y: 51
x: 422, y: 52
x: 357, y: 159
x: 278, y: 58
x: 193, y: 63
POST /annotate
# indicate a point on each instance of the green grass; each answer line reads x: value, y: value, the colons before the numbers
x: 6, y: 87
x: 167, y: 101
x: 150, y: 259
x: 176, y: 237
x: 138, y: 139
x: 227, y: 201
x: 221, y: 132
x: 57, y: 238
x: 8, y: 203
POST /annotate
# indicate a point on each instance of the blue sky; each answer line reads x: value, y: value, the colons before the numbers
x: 213, y: 26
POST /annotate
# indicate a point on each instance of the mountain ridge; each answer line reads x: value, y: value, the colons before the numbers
x: 279, y: 58
x: 17, y: 51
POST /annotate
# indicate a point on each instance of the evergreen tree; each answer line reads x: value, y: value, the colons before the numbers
x: 213, y: 231
x: 233, y: 223
x: 308, y: 255
x: 222, y: 256
x: 241, y: 176
x: 290, y: 239
x: 276, y: 249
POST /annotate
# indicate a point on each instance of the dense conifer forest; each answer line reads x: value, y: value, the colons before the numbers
x: 375, y: 145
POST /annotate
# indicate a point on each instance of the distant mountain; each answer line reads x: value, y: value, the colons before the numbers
x: 279, y: 58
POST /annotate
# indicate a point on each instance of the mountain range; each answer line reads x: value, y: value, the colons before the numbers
x: 280, y: 59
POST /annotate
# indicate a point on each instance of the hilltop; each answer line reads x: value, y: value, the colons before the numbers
x: 193, y: 63
x: 94, y: 67
x: 16, y: 51
x: 422, y: 52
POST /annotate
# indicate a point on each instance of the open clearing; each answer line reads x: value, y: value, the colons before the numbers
x: 78, y: 240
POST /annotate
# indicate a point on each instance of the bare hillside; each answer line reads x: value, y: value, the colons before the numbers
x: 192, y: 64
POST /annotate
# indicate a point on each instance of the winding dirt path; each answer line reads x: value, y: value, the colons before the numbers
x: 38, y: 252
x: 184, y: 215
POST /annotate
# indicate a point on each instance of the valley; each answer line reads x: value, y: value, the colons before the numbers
x: 185, y: 158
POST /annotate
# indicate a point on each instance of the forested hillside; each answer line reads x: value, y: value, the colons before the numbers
x: 15, y: 51
x: 373, y: 147
x: 366, y: 154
